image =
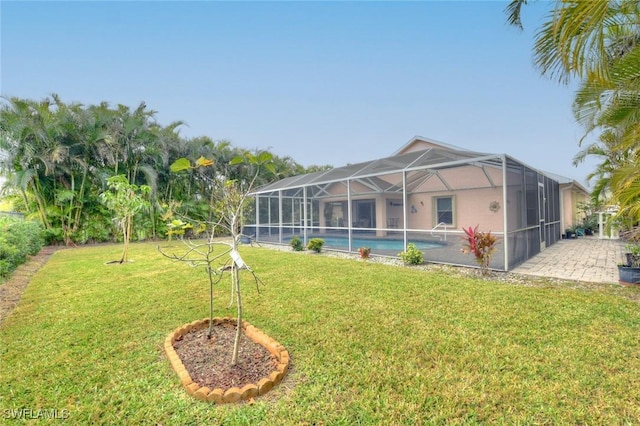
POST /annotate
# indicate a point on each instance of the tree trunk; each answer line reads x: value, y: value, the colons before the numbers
x: 236, y: 343
x: 126, y: 228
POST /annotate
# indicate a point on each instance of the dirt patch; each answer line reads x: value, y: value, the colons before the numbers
x: 208, y: 361
x: 11, y: 290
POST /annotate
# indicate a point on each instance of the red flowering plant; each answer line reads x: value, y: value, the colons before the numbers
x: 364, y: 252
x: 481, y: 244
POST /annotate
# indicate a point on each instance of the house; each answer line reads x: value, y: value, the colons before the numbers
x: 572, y: 195
x: 424, y: 193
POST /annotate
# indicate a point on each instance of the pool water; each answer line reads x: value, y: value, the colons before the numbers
x: 343, y: 242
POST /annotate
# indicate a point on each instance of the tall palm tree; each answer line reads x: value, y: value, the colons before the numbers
x: 598, y: 42
x: 29, y: 136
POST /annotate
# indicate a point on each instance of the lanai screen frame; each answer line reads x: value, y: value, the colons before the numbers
x: 291, y: 206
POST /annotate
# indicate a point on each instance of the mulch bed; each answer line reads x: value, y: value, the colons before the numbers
x: 208, y: 361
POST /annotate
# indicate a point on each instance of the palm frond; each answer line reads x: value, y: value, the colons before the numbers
x: 514, y: 13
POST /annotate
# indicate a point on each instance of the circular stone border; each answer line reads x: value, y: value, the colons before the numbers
x: 233, y: 394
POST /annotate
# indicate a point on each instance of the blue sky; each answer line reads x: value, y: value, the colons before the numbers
x: 321, y: 82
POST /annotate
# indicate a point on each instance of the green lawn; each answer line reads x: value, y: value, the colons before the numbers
x: 370, y: 344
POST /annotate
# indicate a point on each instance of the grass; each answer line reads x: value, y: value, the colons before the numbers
x: 370, y: 344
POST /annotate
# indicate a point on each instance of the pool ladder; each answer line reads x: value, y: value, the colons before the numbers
x: 445, y: 231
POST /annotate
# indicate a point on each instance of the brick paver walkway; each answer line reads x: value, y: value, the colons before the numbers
x: 583, y: 259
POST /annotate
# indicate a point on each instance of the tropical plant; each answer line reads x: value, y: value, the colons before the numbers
x: 56, y: 157
x: 590, y: 216
x: 296, y: 243
x: 364, y: 252
x: 125, y: 199
x: 315, y: 244
x: 580, y: 39
x: 598, y: 42
x: 481, y: 244
x: 177, y: 227
x: 18, y: 240
x: 412, y: 255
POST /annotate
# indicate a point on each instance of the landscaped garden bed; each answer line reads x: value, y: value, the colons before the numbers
x: 202, y: 363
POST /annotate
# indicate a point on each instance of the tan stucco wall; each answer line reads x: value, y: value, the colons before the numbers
x: 471, y: 208
x: 571, y: 197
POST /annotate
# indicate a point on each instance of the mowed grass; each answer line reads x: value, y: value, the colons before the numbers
x: 370, y: 344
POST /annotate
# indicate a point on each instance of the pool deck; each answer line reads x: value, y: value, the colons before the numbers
x: 587, y: 259
x: 583, y: 259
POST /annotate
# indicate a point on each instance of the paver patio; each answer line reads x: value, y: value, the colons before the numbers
x: 583, y: 259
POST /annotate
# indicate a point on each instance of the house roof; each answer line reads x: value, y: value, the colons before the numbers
x: 429, y: 141
x: 419, y: 154
x: 563, y: 180
x: 432, y: 158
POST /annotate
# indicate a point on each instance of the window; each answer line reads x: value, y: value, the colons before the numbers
x: 443, y: 209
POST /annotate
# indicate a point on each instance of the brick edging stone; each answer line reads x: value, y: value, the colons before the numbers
x: 233, y: 394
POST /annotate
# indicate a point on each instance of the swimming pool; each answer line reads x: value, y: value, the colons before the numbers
x: 375, y: 244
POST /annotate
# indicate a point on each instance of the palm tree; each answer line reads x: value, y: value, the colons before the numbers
x: 611, y: 159
x: 29, y: 136
x: 598, y: 42
x: 576, y: 41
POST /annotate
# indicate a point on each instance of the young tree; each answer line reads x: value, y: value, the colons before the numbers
x: 229, y: 200
x: 125, y: 200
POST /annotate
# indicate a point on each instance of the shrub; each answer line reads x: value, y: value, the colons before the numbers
x: 481, y: 244
x: 18, y: 240
x: 632, y: 253
x: 315, y: 244
x: 5, y: 269
x: 97, y: 229
x: 412, y: 256
x: 52, y: 236
x: 296, y: 243
x: 364, y: 252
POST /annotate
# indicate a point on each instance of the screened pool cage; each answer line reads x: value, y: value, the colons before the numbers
x: 424, y: 197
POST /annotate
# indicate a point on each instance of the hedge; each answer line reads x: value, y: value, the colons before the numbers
x: 19, y: 239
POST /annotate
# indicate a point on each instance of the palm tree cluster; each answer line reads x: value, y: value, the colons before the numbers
x: 57, y: 157
x: 597, y: 42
